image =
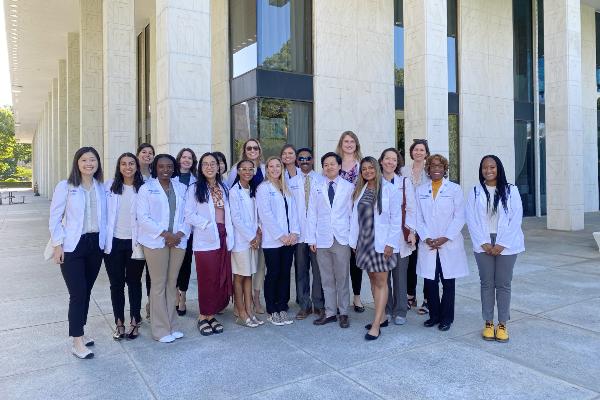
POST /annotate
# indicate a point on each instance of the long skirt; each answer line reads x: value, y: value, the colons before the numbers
x: 213, y: 268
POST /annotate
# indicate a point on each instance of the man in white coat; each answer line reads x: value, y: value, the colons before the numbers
x: 328, y: 221
x: 305, y: 260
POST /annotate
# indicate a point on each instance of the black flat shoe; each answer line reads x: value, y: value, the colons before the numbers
x: 381, y: 325
x: 358, y: 309
x: 430, y: 322
x: 371, y: 337
x: 181, y: 313
x: 444, y: 327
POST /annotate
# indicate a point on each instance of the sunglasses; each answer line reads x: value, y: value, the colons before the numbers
x: 250, y: 148
x: 302, y: 159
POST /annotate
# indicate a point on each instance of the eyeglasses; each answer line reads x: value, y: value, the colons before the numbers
x: 211, y: 165
x: 308, y: 158
x: 252, y: 148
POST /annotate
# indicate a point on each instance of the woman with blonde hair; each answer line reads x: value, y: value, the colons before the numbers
x: 348, y: 148
x: 278, y: 215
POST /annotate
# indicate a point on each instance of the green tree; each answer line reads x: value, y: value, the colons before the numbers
x: 8, y: 164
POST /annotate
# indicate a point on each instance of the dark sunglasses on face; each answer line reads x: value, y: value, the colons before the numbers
x: 255, y: 148
x: 302, y: 159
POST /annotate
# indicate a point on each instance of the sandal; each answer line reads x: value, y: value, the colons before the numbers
x: 423, y: 309
x: 412, y: 302
x: 119, y: 332
x: 133, y: 332
x: 248, y: 323
x: 204, y: 328
x: 215, y: 325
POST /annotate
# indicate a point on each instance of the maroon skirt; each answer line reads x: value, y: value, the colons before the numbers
x: 213, y: 268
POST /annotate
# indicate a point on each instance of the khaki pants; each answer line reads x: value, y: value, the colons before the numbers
x: 163, y: 265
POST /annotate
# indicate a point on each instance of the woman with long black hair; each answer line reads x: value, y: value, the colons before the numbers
x: 121, y: 240
x: 78, y: 233
x: 494, y: 216
x: 207, y: 211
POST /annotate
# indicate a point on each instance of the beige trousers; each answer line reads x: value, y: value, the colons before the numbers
x: 163, y: 265
x: 258, y: 278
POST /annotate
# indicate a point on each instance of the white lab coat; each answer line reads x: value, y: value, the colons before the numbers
x: 113, y: 202
x: 388, y: 224
x: 153, y: 214
x: 509, y: 232
x: 201, y: 217
x: 244, y: 217
x: 411, y: 211
x: 271, y: 212
x: 296, y: 186
x: 443, y: 216
x: 233, y: 174
x: 69, y: 202
x: 325, y: 221
x: 286, y: 174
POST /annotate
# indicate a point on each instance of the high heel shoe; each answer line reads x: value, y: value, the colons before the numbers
x: 181, y: 299
x: 133, y: 332
x: 119, y: 332
x: 371, y: 337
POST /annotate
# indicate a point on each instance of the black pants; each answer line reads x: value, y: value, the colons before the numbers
x: 440, y: 311
x: 80, y: 270
x: 278, y: 263
x: 148, y: 282
x: 355, y: 275
x: 411, y: 275
x: 122, y: 269
x: 183, y: 279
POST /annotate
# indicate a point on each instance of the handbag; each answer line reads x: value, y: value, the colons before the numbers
x: 138, y: 252
x: 49, y: 249
x: 405, y: 230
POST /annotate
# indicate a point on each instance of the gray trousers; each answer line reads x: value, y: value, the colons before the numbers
x: 304, y: 259
x: 397, y: 304
x: 495, y: 275
x: 334, y: 265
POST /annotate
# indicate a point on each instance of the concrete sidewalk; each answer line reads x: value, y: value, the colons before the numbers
x: 553, y: 352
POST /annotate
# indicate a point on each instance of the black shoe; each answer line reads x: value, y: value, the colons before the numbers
x: 325, y: 320
x: 430, y: 322
x: 371, y: 337
x: 133, y: 332
x: 181, y: 313
x: 359, y: 309
x: 443, y: 327
x: 384, y: 324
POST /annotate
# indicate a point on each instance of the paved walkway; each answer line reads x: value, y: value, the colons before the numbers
x: 553, y: 352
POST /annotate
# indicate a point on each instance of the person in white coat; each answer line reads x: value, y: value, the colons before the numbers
x: 305, y: 260
x: 441, y: 216
x: 246, y: 245
x: 494, y: 217
x: 163, y: 234
x: 188, y: 170
x: 396, y: 308
x: 289, y: 158
x: 121, y: 240
x: 251, y: 150
x: 278, y: 216
x: 78, y: 233
x: 375, y: 231
x: 327, y: 234
x: 207, y: 211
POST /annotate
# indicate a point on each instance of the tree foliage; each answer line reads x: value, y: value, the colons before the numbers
x: 12, y: 153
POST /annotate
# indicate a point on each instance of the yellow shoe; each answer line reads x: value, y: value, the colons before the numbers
x: 501, y: 333
x: 488, y: 331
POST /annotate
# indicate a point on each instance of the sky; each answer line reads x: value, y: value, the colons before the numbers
x: 5, y: 93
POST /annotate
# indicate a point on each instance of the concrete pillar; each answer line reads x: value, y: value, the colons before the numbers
x: 55, y: 135
x: 183, y: 76
x: 353, y: 80
x: 73, y: 98
x: 564, y: 128
x: 91, y: 74
x: 426, y: 73
x: 119, y: 79
x: 486, y: 105
x: 590, y: 119
x: 48, y: 145
x: 62, y: 121
x: 219, y: 88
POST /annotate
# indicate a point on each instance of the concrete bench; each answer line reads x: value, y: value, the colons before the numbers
x: 11, y: 197
x: 597, y: 237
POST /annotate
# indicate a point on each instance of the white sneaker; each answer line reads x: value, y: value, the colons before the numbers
x: 167, y: 339
x: 399, y: 320
x: 87, y: 341
x: 285, y: 318
x: 177, y: 334
x: 84, y: 355
x: 275, y: 319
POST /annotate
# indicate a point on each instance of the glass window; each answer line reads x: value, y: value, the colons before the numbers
x: 598, y: 51
x: 400, y: 137
x: 454, y: 148
x: 523, y: 50
x: 143, y: 87
x: 540, y: 27
x: 452, y: 50
x: 398, y: 43
x: 542, y: 146
x: 244, y: 124
x: 525, y: 165
x: 285, y: 35
x: 243, y: 47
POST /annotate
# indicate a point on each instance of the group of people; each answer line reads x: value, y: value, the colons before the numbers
x: 246, y: 227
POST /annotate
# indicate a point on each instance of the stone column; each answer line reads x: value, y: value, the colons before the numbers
x: 564, y: 133
x: 73, y: 98
x: 119, y: 79
x: 183, y: 76
x: 55, y: 135
x: 219, y: 88
x: 353, y: 73
x: 590, y: 119
x: 426, y: 73
x: 62, y: 120
x: 48, y: 145
x: 91, y: 74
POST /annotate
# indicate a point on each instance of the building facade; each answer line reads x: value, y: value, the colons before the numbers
x: 515, y: 78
